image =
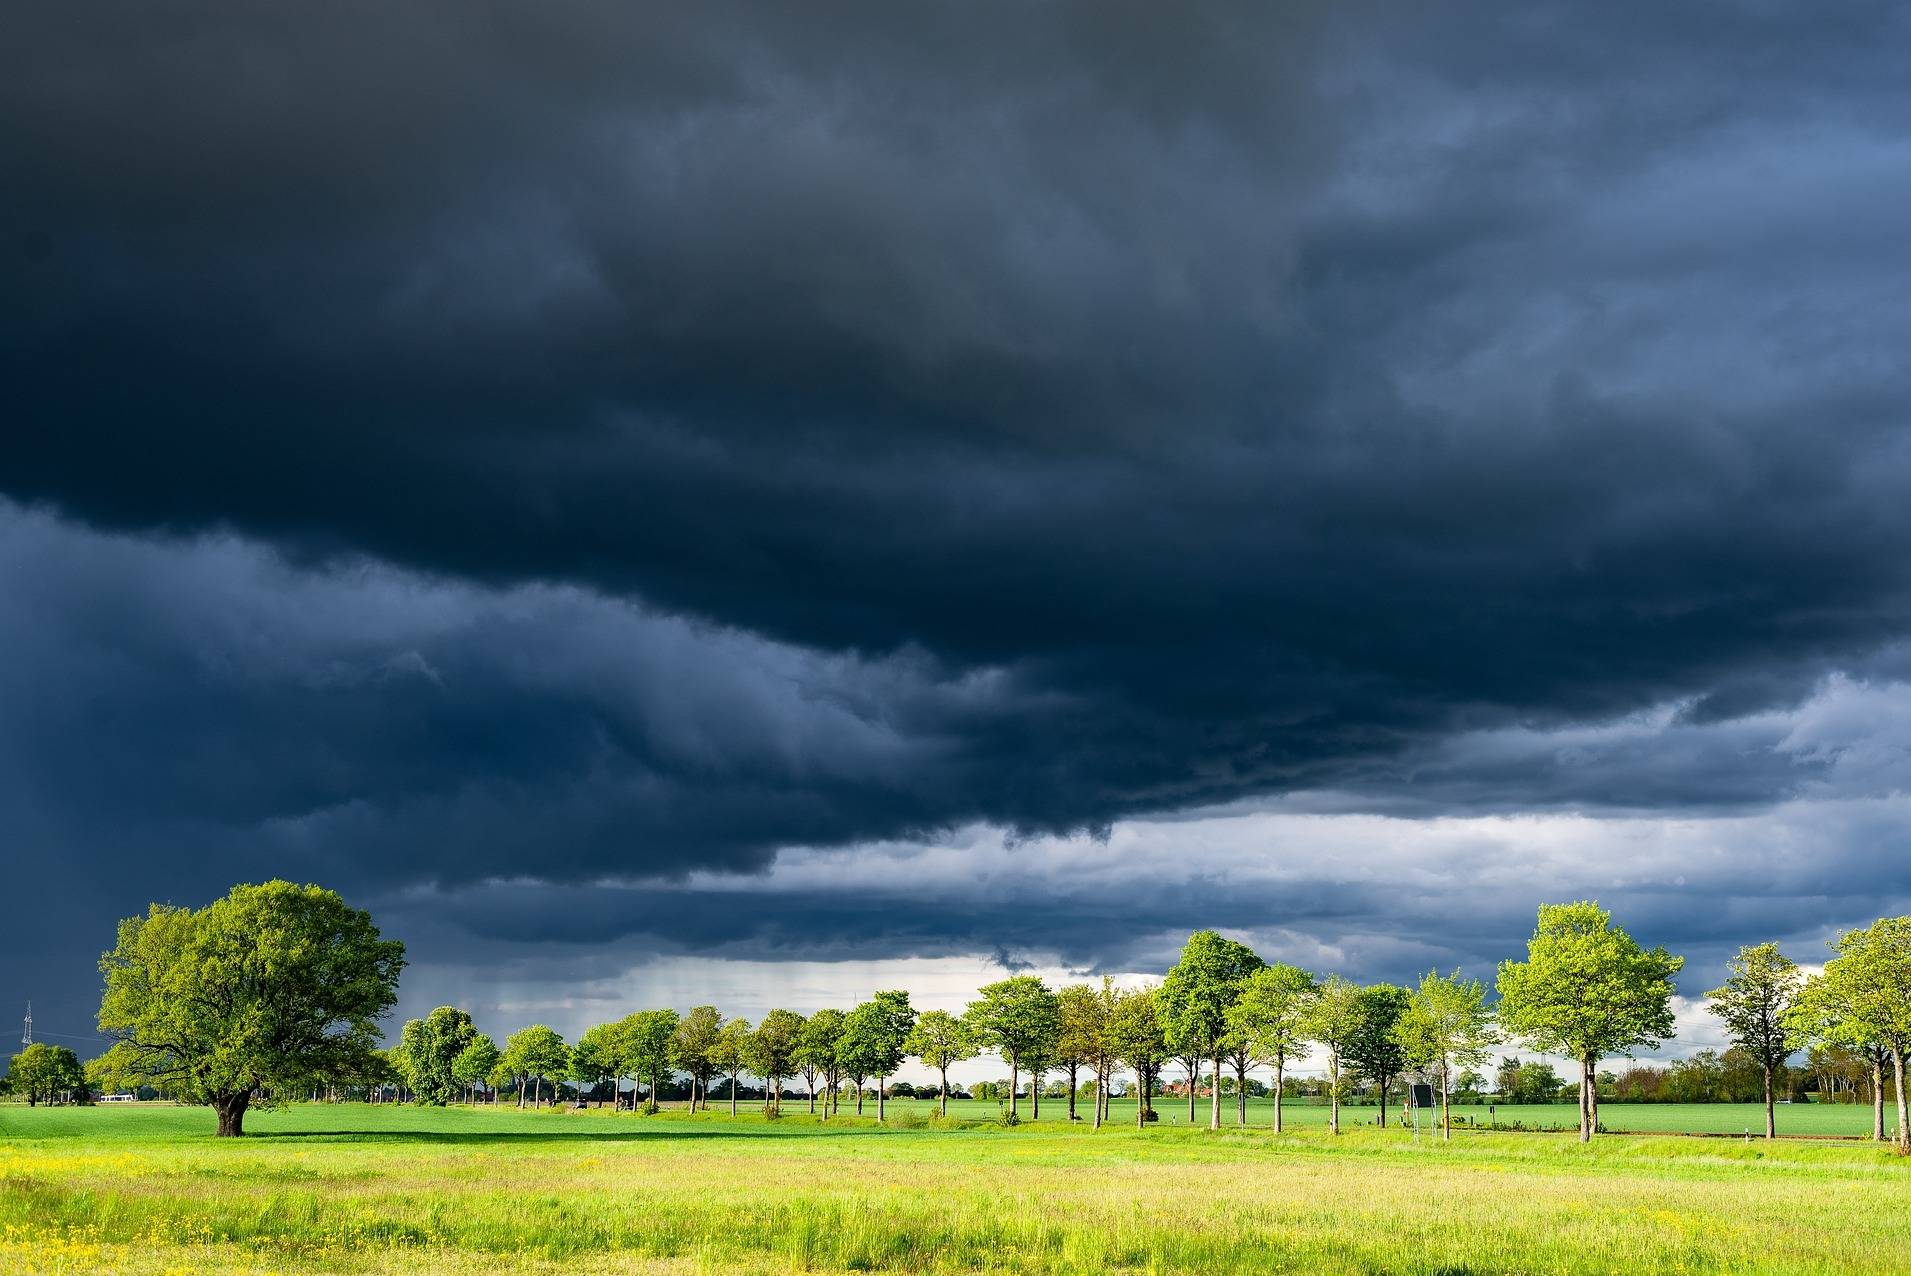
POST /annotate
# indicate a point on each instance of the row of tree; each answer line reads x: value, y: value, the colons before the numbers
x: 276, y: 990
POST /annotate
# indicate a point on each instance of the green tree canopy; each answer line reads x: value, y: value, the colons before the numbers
x: 1863, y: 998
x: 265, y: 991
x: 730, y: 1053
x: 429, y: 1046
x: 1195, y: 996
x: 873, y: 1037
x: 535, y: 1055
x: 594, y: 1059
x: 1019, y: 1018
x: 771, y: 1052
x: 1587, y: 990
x: 645, y: 1042
x: 691, y: 1046
x: 1333, y: 1017
x: 45, y: 1073
x: 940, y: 1039
x: 1269, y: 1019
x: 1445, y: 1026
x: 475, y: 1063
x: 1135, y: 1035
x: 1373, y: 1050
x: 1755, y: 1004
x: 816, y: 1053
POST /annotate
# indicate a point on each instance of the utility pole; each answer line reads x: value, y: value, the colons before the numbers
x: 26, y: 1036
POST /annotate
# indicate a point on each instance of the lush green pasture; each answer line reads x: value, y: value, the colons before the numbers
x: 148, y: 1191
x: 1848, y: 1120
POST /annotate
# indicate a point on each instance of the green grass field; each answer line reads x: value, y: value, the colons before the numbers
x: 148, y: 1192
x: 1802, y: 1119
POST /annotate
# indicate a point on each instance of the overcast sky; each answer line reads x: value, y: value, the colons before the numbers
x: 666, y: 503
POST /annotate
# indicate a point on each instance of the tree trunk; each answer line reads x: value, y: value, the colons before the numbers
x: 942, y: 1103
x: 733, y: 1094
x: 1333, y: 1093
x: 1240, y: 1093
x: 1279, y: 1066
x: 1877, y: 1094
x: 1446, y: 1105
x: 859, y: 1098
x: 1383, y: 1103
x: 1904, y: 1117
x: 1035, y: 1096
x: 1585, y: 1098
x: 1214, y: 1098
x: 232, y: 1113
x: 1771, y: 1112
x: 882, y: 1093
x: 812, y: 1082
x: 1014, y: 1076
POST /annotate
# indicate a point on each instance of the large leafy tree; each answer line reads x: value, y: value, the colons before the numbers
x: 1136, y: 1038
x: 1079, y: 1039
x: 1019, y: 1018
x: 1101, y: 1046
x: 255, y: 996
x: 429, y: 1046
x: 1269, y: 1020
x: 45, y: 1073
x: 1446, y: 1026
x: 1373, y: 1049
x: 940, y: 1039
x: 771, y: 1053
x: 1334, y: 1016
x: 645, y: 1043
x: 1826, y: 1011
x: 1755, y: 1004
x: 690, y: 1050
x: 729, y: 1055
x: 594, y: 1059
x: 873, y: 1040
x: 475, y: 1063
x: 535, y: 1055
x: 1864, y: 998
x: 1195, y: 997
x: 1587, y: 990
x: 816, y: 1056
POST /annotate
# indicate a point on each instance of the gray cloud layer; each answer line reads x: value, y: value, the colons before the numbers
x: 583, y: 441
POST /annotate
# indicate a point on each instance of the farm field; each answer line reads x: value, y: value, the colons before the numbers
x: 318, y: 1188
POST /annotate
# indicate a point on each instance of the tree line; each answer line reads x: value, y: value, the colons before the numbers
x: 276, y: 991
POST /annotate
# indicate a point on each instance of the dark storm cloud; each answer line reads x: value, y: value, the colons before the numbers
x: 696, y: 430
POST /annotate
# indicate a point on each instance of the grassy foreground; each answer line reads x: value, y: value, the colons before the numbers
x: 147, y: 1191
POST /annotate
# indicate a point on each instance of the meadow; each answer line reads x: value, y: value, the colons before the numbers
x: 1845, y: 1120
x: 147, y: 1191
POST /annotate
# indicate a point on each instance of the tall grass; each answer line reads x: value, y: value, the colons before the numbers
x: 351, y: 1189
